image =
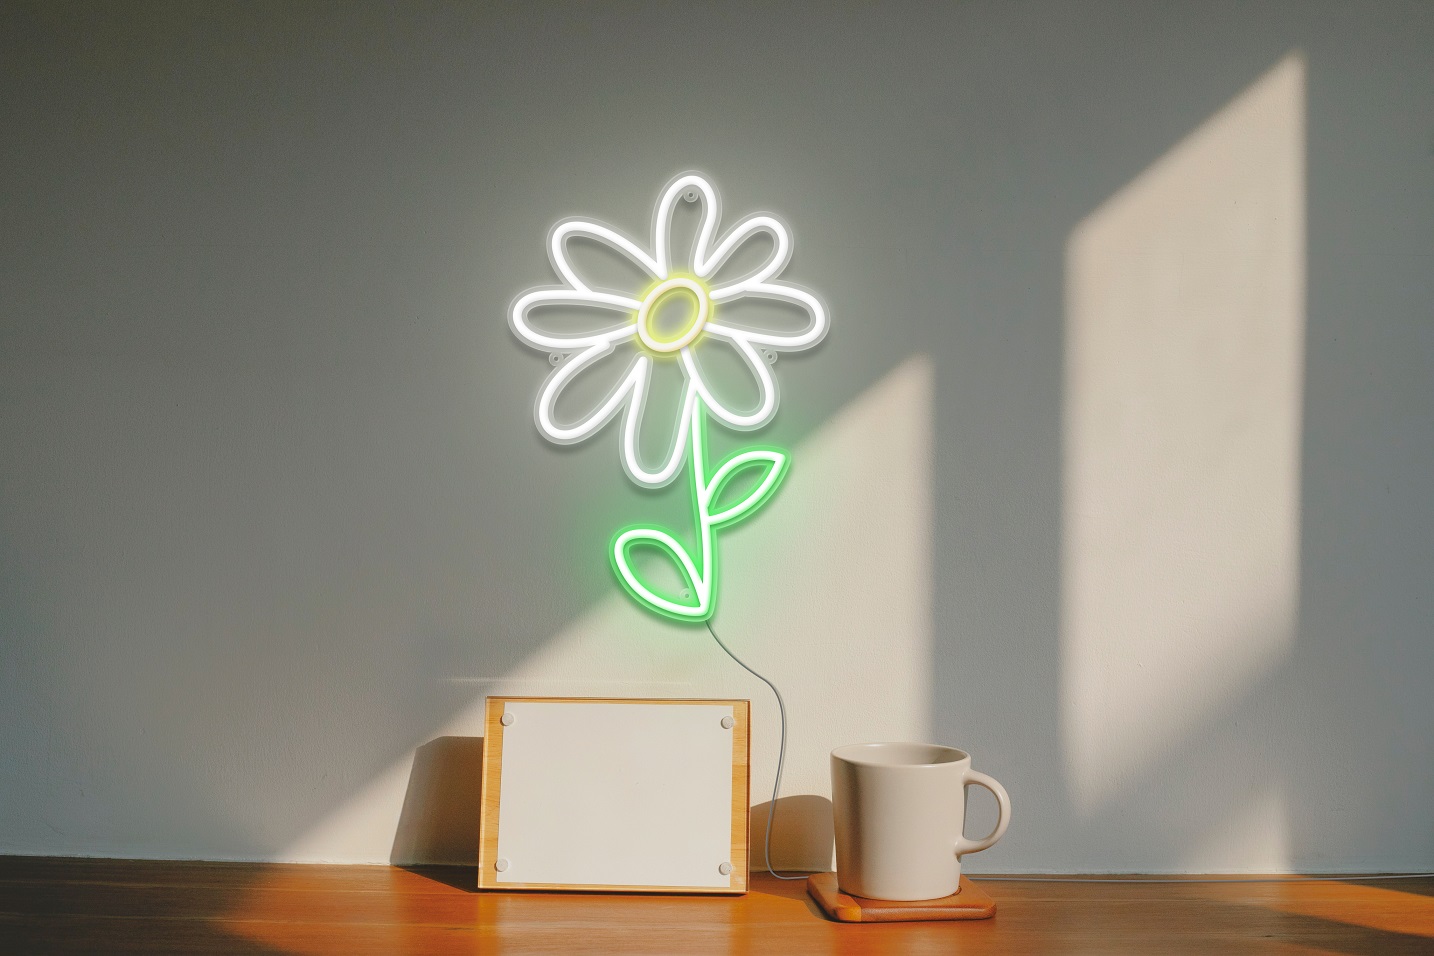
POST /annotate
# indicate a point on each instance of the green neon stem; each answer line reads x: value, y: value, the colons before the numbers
x: 700, y: 577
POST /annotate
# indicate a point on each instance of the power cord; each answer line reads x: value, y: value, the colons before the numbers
x: 781, y: 753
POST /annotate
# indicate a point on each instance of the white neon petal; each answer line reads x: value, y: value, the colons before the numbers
x: 781, y: 292
x: 766, y: 386
x: 781, y: 253
x: 563, y: 341
x: 631, y: 384
x: 662, y: 220
x: 631, y: 460
x: 557, y: 249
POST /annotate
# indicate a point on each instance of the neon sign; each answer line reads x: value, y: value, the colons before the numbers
x: 622, y: 320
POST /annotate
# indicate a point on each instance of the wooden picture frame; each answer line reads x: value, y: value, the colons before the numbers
x: 641, y: 763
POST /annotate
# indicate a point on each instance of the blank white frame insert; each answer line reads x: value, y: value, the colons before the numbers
x: 634, y: 795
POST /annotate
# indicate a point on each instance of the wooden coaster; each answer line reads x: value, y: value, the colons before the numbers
x: 968, y: 902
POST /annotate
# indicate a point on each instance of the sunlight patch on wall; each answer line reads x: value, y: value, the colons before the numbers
x: 1182, y: 414
x: 829, y: 596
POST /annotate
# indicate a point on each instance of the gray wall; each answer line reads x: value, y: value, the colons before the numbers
x: 273, y: 508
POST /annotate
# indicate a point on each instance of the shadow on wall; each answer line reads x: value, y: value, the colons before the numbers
x: 802, y: 830
x: 440, y: 819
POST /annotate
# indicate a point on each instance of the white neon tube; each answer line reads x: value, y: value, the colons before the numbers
x: 621, y: 320
x: 557, y: 249
x: 766, y: 385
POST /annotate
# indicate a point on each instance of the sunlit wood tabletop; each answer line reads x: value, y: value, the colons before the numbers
x: 114, y: 906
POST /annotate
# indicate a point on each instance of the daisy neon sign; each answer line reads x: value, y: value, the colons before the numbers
x: 629, y: 320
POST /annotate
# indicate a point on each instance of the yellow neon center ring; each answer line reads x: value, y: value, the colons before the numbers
x: 644, y: 314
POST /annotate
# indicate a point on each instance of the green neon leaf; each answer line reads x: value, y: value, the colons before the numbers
x: 632, y: 580
x: 773, y: 465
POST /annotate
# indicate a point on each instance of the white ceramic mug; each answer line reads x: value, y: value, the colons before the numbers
x: 900, y: 812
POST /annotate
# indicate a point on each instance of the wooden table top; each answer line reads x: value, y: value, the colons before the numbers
x: 102, y: 906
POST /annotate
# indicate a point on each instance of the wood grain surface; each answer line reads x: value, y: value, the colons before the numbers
x: 108, y: 906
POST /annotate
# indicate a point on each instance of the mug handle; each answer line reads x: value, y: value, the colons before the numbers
x: 1003, y: 801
